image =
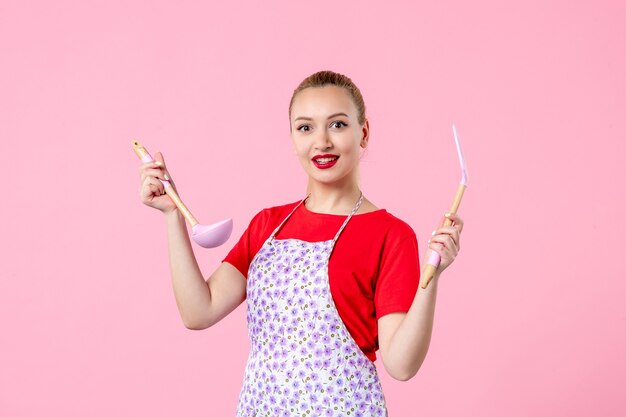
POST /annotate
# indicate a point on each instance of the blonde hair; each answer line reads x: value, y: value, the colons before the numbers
x: 322, y: 78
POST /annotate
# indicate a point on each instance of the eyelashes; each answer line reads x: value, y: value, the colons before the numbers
x: 308, y: 127
x: 301, y: 126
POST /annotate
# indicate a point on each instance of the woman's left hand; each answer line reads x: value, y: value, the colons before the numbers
x: 446, y: 241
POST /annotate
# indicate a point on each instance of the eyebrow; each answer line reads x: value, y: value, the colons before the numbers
x: 329, y: 117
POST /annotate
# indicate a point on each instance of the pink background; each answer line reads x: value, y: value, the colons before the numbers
x: 530, y: 317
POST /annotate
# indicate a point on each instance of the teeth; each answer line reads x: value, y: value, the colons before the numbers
x: 325, y: 160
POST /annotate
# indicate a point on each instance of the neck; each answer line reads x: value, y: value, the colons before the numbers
x: 332, y: 199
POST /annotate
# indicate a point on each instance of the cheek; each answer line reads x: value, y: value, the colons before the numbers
x: 350, y: 146
x: 297, y: 147
x: 301, y: 151
x: 302, y: 154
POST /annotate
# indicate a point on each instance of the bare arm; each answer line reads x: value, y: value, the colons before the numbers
x: 404, y: 338
x: 201, y: 303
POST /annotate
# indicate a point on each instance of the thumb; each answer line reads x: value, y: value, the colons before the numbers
x: 159, y: 157
x: 444, y: 219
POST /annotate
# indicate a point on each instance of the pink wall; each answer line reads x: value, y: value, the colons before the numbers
x: 530, y: 318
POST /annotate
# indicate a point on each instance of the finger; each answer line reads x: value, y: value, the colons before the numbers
x: 447, y: 255
x: 148, y: 191
x: 153, y: 173
x: 456, y: 220
x: 159, y: 185
x: 448, y: 243
x: 437, y: 247
x: 151, y: 164
x: 453, y: 232
x: 156, y: 186
x: 159, y: 157
x: 154, y: 190
x: 446, y: 240
x: 148, y: 188
x: 445, y: 230
x: 453, y: 217
x: 458, y: 224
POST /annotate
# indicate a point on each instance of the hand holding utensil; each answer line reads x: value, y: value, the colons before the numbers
x: 207, y: 236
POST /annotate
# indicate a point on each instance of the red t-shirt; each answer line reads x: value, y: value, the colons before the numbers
x: 373, y: 270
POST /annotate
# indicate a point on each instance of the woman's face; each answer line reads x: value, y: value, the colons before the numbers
x: 326, y: 133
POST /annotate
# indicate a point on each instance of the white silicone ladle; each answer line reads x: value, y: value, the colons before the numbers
x: 434, y: 259
x: 209, y: 236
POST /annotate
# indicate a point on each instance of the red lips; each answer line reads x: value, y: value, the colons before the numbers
x: 326, y: 155
x: 325, y: 165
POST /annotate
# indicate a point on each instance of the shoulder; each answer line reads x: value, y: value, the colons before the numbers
x: 389, y: 225
x: 399, y: 227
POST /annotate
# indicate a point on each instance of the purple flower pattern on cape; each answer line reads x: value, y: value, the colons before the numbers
x: 303, y: 361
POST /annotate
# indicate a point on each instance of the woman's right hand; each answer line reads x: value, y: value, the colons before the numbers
x: 152, y: 191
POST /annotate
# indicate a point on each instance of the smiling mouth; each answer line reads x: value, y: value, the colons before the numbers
x: 325, y: 160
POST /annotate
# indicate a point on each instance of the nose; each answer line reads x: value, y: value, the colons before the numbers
x: 322, y: 140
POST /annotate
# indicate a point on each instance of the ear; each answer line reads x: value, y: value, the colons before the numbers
x: 366, y: 133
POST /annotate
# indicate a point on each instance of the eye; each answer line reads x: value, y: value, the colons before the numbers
x: 338, y: 123
x: 303, y: 128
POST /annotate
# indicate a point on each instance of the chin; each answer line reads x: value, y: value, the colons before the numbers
x: 328, y: 180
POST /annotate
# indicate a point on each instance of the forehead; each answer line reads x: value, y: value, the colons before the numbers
x: 319, y: 102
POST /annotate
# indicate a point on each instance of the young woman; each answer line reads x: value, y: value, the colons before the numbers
x: 315, y: 321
